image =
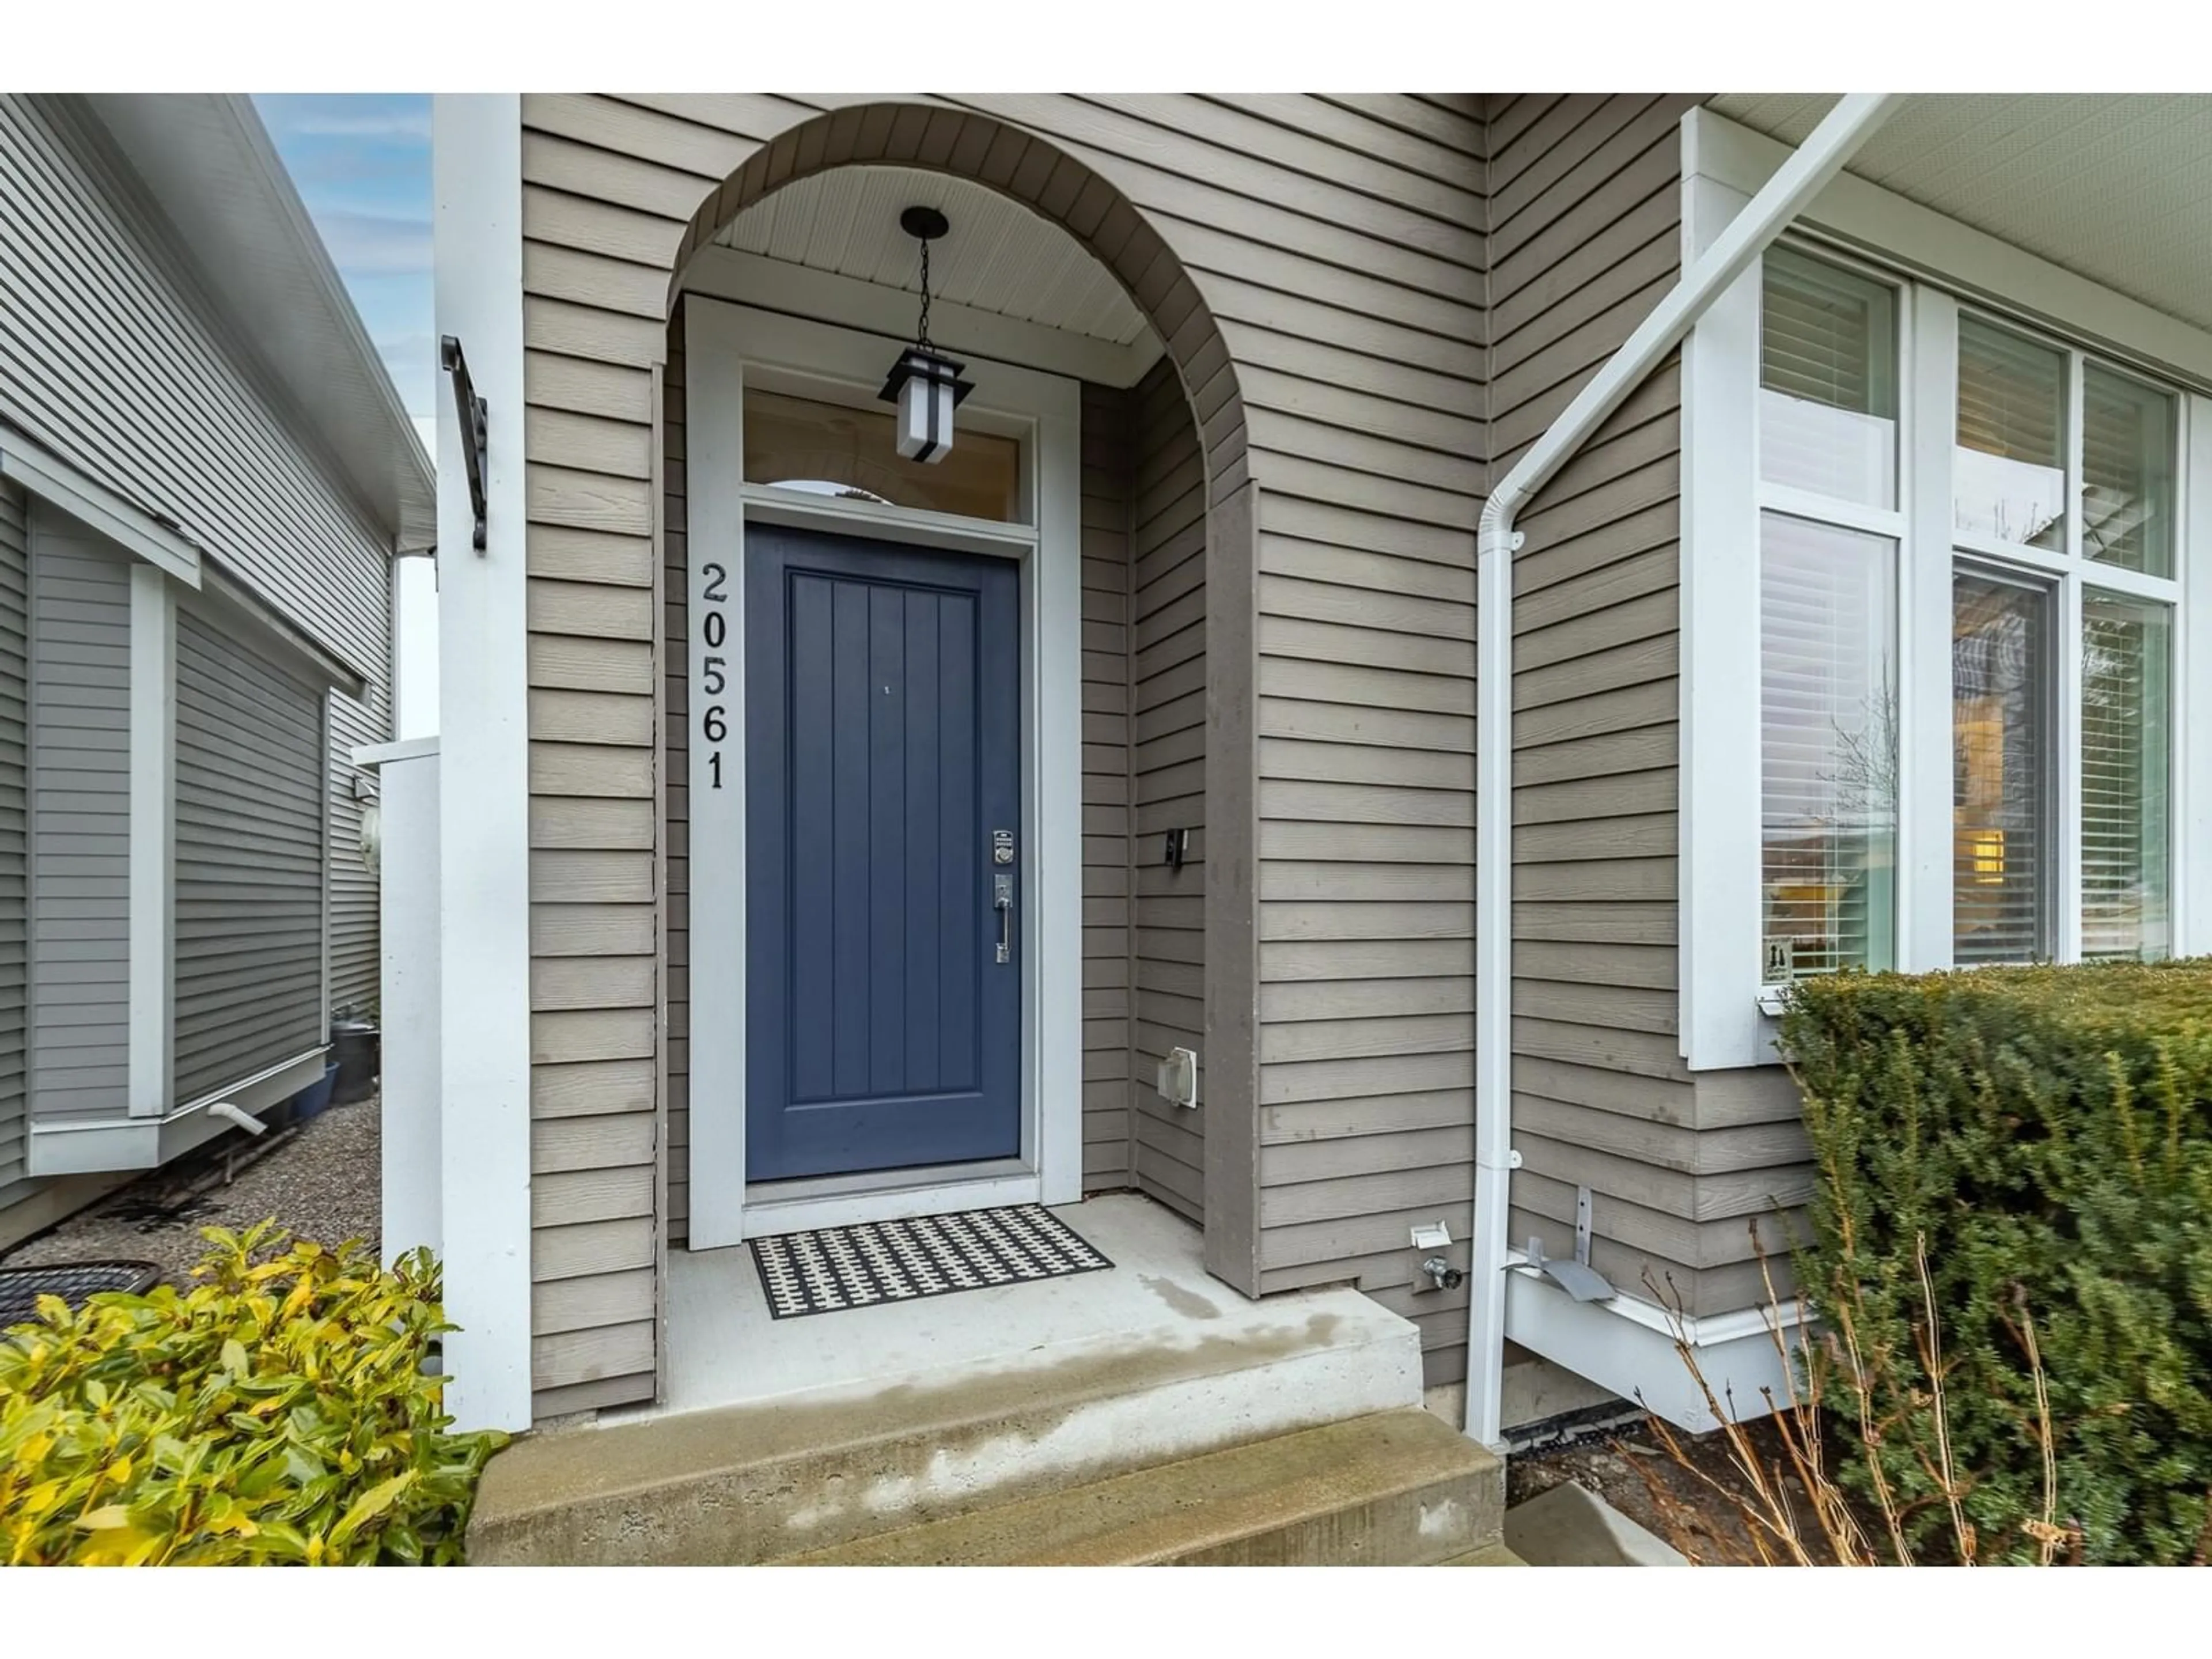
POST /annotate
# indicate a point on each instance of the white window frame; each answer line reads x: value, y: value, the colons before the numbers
x: 1938, y: 267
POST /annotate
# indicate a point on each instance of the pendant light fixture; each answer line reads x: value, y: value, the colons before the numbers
x: 924, y: 383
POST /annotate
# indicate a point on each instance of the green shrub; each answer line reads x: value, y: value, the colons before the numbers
x: 2049, y: 1130
x: 278, y: 1411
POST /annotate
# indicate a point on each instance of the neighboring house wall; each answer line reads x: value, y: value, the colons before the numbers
x: 247, y: 905
x: 15, y: 836
x: 1337, y: 244
x: 113, y: 359
x: 1586, y: 198
x: 79, y: 820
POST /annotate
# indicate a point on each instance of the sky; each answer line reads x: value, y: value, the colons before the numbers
x: 362, y: 163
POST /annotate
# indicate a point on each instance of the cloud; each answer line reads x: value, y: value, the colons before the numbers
x: 374, y: 244
x: 392, y: 118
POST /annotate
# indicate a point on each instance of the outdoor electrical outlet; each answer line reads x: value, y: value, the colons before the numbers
x: 1178, y: 1077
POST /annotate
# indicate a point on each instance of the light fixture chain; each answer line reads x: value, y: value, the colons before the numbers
x: 923, y: 342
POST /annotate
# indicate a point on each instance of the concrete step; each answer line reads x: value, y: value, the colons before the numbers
x: 1396, y: 1489
x: 822, y: 1466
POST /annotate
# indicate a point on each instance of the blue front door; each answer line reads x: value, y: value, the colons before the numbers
x: 882, y: 797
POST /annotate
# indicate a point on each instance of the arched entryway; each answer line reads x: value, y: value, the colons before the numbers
x: 1104, y: 423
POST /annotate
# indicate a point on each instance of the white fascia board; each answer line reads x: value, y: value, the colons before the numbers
x: 822, y: 296
x: 129, y: 525
x: 1953, y: 254
x: 1632, y: 1347
x: 370, y: 756
x: 153, y: 838
x: 483, y: 810
x: 103, y: 1146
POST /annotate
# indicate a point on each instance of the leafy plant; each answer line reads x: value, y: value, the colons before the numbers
x: 1989, y: 1143
x: 278, y: 1411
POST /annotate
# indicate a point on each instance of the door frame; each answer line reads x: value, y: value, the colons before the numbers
x: 725, y: 346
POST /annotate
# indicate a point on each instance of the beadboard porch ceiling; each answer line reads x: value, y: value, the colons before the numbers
x: 2115, y: 189
x: 998, y: 257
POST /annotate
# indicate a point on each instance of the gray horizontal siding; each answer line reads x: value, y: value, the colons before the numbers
x: 248, y: 904
x: 79, y: 820
x: 355, y: 962
x: 109, y: 356
x: 14, y: 837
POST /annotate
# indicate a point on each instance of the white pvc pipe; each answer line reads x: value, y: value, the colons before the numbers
x: 1787, y: 194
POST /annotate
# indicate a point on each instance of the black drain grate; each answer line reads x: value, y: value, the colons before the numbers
x: 828, y: 1269
x: 73, y: 1281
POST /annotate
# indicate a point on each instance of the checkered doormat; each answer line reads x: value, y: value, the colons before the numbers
x: 828, y: 1268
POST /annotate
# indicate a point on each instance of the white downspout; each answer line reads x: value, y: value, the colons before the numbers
x: 1787, y: 194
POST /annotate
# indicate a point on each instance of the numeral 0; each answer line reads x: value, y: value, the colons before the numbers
x: 714, y: 629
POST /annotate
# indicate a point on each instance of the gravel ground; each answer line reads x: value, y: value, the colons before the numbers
x: 322, y: 1182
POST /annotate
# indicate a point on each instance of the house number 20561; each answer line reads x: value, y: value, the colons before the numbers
x: 713, y: 635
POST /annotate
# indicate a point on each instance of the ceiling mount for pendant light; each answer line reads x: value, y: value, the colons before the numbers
x: 924, y: 383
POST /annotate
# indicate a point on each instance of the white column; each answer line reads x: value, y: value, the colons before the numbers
x: 484, y: 809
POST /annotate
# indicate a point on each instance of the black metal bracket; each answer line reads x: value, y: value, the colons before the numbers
x: 474, y: 413
x: 1174, y: 847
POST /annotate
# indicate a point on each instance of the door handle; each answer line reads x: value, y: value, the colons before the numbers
x: 1002, y: 901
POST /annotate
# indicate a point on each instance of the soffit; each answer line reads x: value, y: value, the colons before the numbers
x: 2116, y: 188
x: 998, y: 256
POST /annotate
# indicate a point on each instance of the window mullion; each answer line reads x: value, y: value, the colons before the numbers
x: 2066, y: 933
x: 1927, y: 838
x: 2192, y: 690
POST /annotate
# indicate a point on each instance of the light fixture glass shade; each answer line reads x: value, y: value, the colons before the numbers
x: 927, y: 388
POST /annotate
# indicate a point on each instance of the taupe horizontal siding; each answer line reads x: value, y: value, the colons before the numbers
x: 674, y: 795
x: 1167, y: 768
x: 1340, y: 250
x: 1109, y: 1156
x: 1586, y: 199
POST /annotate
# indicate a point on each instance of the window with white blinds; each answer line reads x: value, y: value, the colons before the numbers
x: 1828, y: 748
x: 2128, y: 453
x: 2127, y: 747
x: 2009, y: 473
x: 1828, y: 433
x: 1827, y: 367
x: 2061, y: 559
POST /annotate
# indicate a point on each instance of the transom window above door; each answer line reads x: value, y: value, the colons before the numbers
x: 1969, y: 547
x: 826, y: 448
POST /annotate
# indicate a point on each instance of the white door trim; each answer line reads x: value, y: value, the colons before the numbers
x: 724, y: 344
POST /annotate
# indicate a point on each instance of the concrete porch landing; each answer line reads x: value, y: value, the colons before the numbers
x: 779, y: 1437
